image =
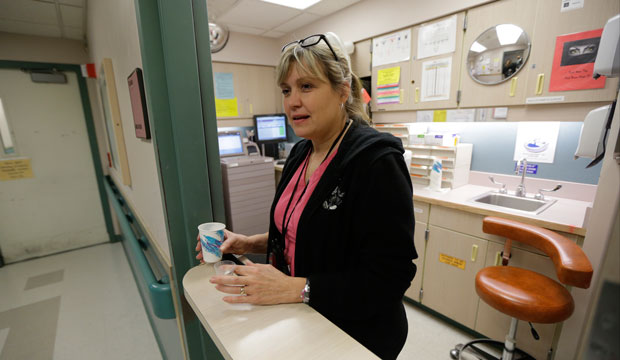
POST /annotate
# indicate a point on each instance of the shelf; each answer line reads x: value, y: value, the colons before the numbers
x: 431, y: 147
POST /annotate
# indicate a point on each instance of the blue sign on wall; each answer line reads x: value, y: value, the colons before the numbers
x: 532, y: 169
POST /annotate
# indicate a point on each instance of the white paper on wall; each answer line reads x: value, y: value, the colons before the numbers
x: 461, y: 115
x: 437, y: 38
x: 391, y: 48
x: 424, y: 116
x: 536, y: 141
x: 436, y: 75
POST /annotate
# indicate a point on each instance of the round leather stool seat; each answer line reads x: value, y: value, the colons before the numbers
x: 524, y: 294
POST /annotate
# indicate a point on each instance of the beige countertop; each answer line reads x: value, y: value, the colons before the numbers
x: 287, y: 331
x: 565, y: 215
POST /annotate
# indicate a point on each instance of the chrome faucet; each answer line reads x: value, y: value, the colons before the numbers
x: 521, y: 187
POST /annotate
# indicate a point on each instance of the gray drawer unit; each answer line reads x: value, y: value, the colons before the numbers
x: 249, y: 188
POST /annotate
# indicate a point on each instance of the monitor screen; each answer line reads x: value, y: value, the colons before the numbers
x: 230, y: 143
x: 270, y: 128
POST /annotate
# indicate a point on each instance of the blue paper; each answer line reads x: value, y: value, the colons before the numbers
x: 224, y: 88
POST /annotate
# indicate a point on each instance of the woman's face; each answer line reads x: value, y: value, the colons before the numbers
x: 312, y: 106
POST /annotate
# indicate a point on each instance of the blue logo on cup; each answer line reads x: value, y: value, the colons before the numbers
x: 212, y: 244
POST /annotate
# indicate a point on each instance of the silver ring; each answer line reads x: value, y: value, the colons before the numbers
x: 243, y: 291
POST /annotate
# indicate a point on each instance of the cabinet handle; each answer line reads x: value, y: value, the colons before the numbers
x: 417, y: 95
x: 498, y: 258
x: 540, y: 80
x: 474, y: 252
x: 513, y: 86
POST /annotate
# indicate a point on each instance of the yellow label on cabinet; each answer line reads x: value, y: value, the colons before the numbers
x: 450, y: 260
x: 15, y: 169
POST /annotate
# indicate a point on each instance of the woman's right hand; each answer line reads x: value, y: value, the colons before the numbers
x: 233, y: 244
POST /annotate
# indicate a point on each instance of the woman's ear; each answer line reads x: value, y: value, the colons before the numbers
x: 345, y: 92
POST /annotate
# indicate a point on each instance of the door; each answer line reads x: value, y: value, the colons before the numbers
x: 57, y: 206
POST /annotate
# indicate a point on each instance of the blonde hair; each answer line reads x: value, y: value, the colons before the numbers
x: 318, y: 61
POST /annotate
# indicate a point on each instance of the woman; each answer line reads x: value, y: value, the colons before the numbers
x: 341, y: 228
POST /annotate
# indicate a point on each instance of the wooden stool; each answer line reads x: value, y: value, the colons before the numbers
x: 524, y: 294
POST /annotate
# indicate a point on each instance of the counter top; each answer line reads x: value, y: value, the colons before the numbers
x: 287, y: 331
x: 565, y: 215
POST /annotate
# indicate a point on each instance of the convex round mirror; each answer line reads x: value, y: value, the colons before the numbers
x: 498, y: 54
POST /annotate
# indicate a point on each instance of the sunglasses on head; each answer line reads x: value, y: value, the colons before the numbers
x: 311, y: 41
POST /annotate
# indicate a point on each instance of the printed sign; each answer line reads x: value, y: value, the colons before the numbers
x: 573, y: 62
x: 451, y: 260
x: 15, y: 169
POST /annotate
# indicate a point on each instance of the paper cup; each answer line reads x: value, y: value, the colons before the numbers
x: 211, y: 238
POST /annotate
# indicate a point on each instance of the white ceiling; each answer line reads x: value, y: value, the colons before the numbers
x: 67, y: 18
x: 55, y: 18
x: 265, y: 19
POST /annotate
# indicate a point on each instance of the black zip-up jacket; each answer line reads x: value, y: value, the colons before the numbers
x: 355, y: 238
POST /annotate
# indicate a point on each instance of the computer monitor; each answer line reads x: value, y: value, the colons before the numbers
x: 230, y: 143
x: 270, y: 128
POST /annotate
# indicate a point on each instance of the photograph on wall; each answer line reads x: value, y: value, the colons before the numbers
x: 573, y: 62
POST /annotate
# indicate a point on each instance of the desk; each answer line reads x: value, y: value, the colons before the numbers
x: 287, y: 331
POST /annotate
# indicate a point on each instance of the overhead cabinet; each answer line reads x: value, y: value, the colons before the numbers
x: 433, y: 76
x: 509, y: 73
x: 492, y: 63
x: 551, y: 23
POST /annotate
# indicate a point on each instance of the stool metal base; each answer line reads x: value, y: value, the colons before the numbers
x: 470, y: 351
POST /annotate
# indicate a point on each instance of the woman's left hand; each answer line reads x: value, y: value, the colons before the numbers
x: 263, y: 284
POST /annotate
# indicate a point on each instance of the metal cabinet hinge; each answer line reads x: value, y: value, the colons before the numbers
x: 421, y: 294
x: 458, y: 96
x: 426, y: 232
x: 465, y: 23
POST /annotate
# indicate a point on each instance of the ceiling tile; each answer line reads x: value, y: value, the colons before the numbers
x: 18, y: 27
x: 328, y: 7
x: 74, y: 33
x: 28, y: 11
x: 78, y: 3
x: 297, y: 22
x: 258, y: 14
x: 245, y: 29
x: 71, y: 16
x: 274, y: 34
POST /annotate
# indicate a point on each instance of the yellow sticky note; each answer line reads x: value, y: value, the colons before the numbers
x: 15, y: 169
x: 388, y: 76
x: 451, y: 260
x: 440, y: 115
x: 226, y: 107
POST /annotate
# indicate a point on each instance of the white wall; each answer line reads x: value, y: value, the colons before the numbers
x: 42, y: 49
x: 113, y: 33
x: 249, y: 49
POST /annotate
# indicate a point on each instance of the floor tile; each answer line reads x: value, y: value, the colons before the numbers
x: 44, y: 279
x: 100, y: 314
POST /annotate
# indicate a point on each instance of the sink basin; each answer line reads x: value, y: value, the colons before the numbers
x: 528, y: 205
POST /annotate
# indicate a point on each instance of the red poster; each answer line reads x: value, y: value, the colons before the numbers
x: 573, y: 62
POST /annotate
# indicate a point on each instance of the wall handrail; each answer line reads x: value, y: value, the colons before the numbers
x: 159, y: 291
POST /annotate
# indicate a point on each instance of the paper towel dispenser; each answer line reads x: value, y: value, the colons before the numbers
x: 607, y: 61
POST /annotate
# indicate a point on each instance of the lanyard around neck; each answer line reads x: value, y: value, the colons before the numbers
x: 285, y: 221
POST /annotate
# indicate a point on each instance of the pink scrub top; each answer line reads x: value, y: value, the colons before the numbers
x: 297, y: 205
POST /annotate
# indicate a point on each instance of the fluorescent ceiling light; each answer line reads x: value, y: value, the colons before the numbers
x: 296, y: 4
x: 508, y: 34
x: 477, y: 47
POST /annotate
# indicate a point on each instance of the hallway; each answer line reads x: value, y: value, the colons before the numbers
x: 74, y: 305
